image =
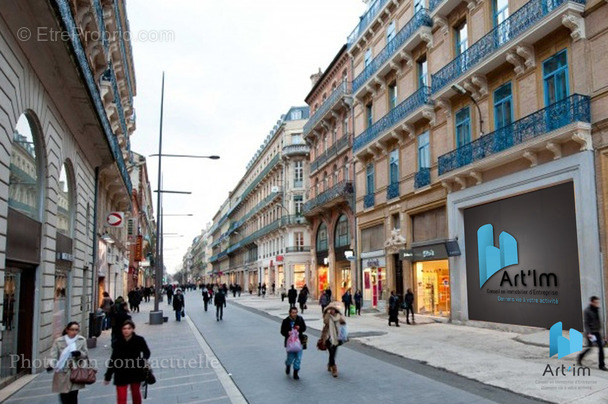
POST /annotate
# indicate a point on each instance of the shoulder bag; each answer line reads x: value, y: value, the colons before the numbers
x: 83, y: 374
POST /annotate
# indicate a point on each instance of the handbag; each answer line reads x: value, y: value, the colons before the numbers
x: 149, y: 377
x: 321, y: 345
x: 83, y: 374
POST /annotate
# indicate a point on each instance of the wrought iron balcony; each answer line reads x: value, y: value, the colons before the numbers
x: 91, y: 83
x: 296, y: 150
x: 331, y: 152
x: 297, y: 249
x: 343, y: 90
x: 365, y: 21
x: 275, y: 160
x: 419, y: 20
x: 514, y: 27
x: 396, y: 116
x: 123, y: 53
x: 422, y: 178
x: 392, y: 191
x: 369, y: 201
x: 575, y: 108
x: 343, y: 189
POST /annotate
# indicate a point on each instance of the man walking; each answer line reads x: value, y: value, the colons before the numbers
x: 347, y: 299
x: 179, y: 303
x: 592, y: 330
x: 206, y: 297
x: 292, y: 295
x: 220, y: 302
x: 293, y: 321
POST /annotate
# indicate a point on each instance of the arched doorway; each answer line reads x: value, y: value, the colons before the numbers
x: 322, y: 249
x: 341, y: 244
x: 22, y: 248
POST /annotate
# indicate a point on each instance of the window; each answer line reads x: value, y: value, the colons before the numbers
x: 423, y: 72
x: 298, y: 179
x: 369, y: 183
x: 297, y: 114
x: 296, y: 138
x: 392, y: 95
x: 299, y: 240
x: 324, y: 143
x: 390, y: 32
x: 334, y: 135
x: 424, y: 151
x: 369, y: 118
x: 503, y: 110
x: 393, y: 169
x: 555, y: 75
x: 500, y: 10
x: 345, y: 126
x: 463, y: 127
x: 299, y: 202
x: 368, y: 56
x: 461, y: 38
x: 322, y: 238
x: 342, y: 238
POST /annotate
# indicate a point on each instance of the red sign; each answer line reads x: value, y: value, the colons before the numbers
x: 138, y: 249
x: 279, y: 258
x: 115, y: 219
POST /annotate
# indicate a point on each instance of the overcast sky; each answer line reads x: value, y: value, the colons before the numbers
x: 232, y: 68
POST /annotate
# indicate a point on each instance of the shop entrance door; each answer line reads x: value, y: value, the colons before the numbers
x: 17, y: 318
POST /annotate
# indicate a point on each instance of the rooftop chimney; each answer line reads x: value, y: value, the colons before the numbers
x: 315, y: 77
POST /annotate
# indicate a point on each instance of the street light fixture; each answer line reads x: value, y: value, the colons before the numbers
x: 214, y: 157
x: 462, y: 91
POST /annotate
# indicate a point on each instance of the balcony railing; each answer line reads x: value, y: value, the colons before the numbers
x: 369, y: 200
x: 343, y: 188
x: 297, y: 249
x: 342, y: 90
x: 295, y: 149
x: 433, y: 4
x: 420, y: 19
x: 396, y: 115
x: 575, y: 108
x: 392, y: 191
x: 330, y: 153
x: 365, y: 20
x: 518, y: 23
x: 422, y: 178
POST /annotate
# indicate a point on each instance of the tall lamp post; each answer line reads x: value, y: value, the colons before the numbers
x: 156, y: 316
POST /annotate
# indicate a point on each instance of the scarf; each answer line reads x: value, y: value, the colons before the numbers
x: 332, y: 325
x: 65, y: 354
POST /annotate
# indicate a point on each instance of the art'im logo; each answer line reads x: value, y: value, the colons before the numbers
x: 491, y: 258
x: 561, y: 345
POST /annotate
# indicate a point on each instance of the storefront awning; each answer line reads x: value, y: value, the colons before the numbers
x: 434, y: 251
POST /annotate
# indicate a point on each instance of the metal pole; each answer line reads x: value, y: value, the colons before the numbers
x: 158, y: 269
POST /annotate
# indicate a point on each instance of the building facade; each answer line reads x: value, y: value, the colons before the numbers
x: 68, y: 116
x: 330, y: 201
x: 260, y: 235
x: 474, y: 131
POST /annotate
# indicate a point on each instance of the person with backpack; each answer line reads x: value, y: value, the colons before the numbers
x: 206, y: 297
x: 323, y: 301
x: 333, y: 320
x: 292, y: 328
x: 220, y: 303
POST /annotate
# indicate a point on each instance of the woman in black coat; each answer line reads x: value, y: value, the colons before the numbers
x: 127, y: 363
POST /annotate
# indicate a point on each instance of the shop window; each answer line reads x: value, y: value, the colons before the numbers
x: 24, y: 186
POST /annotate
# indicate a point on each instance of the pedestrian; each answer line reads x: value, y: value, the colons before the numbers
x: 291, y: 322
x: 259, y: 288
x: 106, y: 307
x: 220, y: 302
x: 323, y: 301
x: 206, y: 297
x: 328, y: 293
x: 332, y: 320
x: 179, y: 304
x: 120, y: 314
x: 127, y: 364
x: 347, y: 299
x: 393, y: 309
x: 303, y: 297
x: 132, y: 297
x: 358, y: 301
x: 283, y: 292
x: 238, y: 289
x: 409, y: 306
x: 593, y: 327
x: 292, y: 295
x: 263, y: 290
x: 65, y: 351
x: 273, y: 286
x: 169, y: 294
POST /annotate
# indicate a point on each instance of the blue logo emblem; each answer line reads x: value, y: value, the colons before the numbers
x: 561, y: 345
x: 493, y: 259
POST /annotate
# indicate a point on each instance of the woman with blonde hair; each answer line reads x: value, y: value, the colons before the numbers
x: 332, y: 320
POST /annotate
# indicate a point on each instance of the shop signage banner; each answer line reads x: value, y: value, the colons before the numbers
x: 138, y: 249
x: 522, y: 259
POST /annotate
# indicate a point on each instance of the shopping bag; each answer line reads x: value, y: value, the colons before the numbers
x: 293, y: 342
x: 353, y: 310
x: 343, y: 333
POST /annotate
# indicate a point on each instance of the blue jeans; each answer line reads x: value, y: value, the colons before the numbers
x: 178, y: 315
x: 295, y: 358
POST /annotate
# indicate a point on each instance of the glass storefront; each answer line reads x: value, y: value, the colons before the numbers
x: 346, y: 279
x: 323, y: 277
x: 432, y: 294
x: 299, y: 275
x: 373, y: 279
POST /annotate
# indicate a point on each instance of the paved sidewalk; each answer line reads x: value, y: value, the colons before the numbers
x: 185, y: 367
x: 513, y: 361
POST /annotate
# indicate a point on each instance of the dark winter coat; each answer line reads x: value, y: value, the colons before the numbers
x: 358, y: 298
x: 219, y: 299
x: 303, y: 296
x: 592, y: 320
x: 292, y: 295
x: 127, y: 361
x: 409, y: 299
x: 178, y: 302
x: 347, y: 298
x: 286, y: 327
